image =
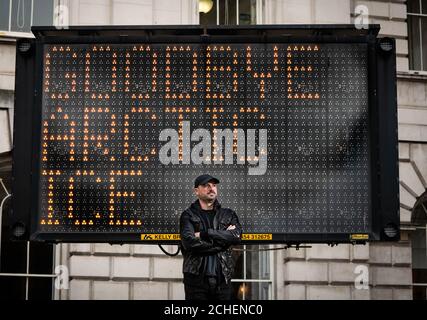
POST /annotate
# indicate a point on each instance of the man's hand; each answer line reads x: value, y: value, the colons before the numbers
x: 230, y: 227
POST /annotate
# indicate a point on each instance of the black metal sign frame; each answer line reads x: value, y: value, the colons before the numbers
x: 384, y: 195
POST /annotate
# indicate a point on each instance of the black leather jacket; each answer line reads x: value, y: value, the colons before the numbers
x: 219, y: 242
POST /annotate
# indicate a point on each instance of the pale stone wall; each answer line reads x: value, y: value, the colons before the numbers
x: 131, y: 272
x: 132, y: 12
x: 323, y: 272
x: 390, y: 15
x: 307, y: 11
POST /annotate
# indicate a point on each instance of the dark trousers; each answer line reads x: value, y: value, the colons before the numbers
x: 208, y: 289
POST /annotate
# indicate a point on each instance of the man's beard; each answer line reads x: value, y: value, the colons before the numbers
x: 208, y: 197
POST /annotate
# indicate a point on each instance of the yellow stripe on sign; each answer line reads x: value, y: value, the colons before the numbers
x: 176, y: 236
x: 359, y: 236
x: 257, y: 236
x: 160, y: 236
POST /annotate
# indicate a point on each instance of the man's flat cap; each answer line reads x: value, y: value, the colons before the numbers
x: 203, y: 179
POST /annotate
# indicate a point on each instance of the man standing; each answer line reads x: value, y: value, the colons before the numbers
x: 207, y: 232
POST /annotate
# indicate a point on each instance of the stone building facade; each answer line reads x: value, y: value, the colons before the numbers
x: 101, y: 271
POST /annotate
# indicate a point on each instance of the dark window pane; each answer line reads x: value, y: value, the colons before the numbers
x: 419, y: 293
x: 247, y: 11
x: 21, y: 15
x: 251, y: 290
x: 227, y: 12
x: 222, y: 12
x: 413, y: 6
x: 43, y: 13
x: 41, y: 288
x: 208, y: 18
x: 414, y: 43
x: 419, y: 260
x: 258, y: 263
x: 424, y: 42
x: 4, y: 15
x: 238, y: 266
x: 424, y: 6
x: 14, y: 260
x: 231, y: 12
x: 252, y: 268
x: 419, y: 249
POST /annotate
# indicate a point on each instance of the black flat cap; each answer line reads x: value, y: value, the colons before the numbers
x: 203, y: 179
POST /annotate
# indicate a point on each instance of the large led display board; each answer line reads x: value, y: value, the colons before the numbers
x: 299, y: 125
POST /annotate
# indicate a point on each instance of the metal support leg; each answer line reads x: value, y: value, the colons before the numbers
x: 27, y: 279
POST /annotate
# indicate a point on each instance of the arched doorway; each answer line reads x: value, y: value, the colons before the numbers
x: 419, y: 248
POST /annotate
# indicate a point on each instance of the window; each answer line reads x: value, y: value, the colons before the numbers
x: 419, y: 249
x: 252, y: 279
x: 227, y: 12
x: 417, y: 33
x: 20, y: 15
